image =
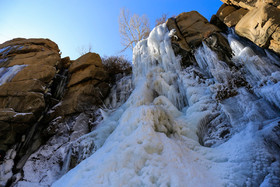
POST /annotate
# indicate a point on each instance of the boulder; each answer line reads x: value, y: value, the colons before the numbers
x: 233, y: 18
x: 87, y: 86
x: 256, y: 20
x: 275, y: 41
x: 85, y: 61
x: 230, y: 15
x: 64, y: 63
x: 9, y: 115
x: 179, y: 40
x: 259, y: 24
x: 190, y: 29
x: 11, y: 124
x: 251, y: 4
x: 220, y: 24
x: 44, y: 73
x: 194, y: 27
x: 23, y: 102
x: 45, y: 43
x: 224, y: 11
x: 13, y: 88
x: 31, y: 65
x: 90, y: 73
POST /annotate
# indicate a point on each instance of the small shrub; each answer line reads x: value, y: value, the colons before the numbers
x: 115, y: 66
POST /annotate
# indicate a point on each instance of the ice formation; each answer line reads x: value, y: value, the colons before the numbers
x: 6, y: 74
x: 180, y: 128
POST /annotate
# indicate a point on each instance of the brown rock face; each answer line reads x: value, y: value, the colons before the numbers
x: 230, y: 15
x: 194, y: 27
x: 251, y: 4
x: 224, y: 11
x: 275, y: 41
x: 256, y: 20
x: 22, y: 93
x: 87, y: 85
x: 233, y: 18
x: 39, y: 89
x: 191, y: 29
x: 259, y: 24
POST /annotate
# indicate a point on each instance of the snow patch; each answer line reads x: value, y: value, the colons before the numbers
x: 7, y: 74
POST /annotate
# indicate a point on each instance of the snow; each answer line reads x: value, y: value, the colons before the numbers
x: 6, y: 167
x: 172, y: 130
x: 6, y: 74
x: 22, y: 114
x: 4, y: 49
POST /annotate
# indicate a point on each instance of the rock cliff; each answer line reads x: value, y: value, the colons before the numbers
x: 39, y: 92
x: 256, y: 20
x: 202, y: 107
x: 27, y: 69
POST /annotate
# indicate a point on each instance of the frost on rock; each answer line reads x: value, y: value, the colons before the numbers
x: 206, y: 125
x: 6, y: 74
x: 261, y: 69
x: 58, y: 154
x: 6, y: 167
x: 119, y: 93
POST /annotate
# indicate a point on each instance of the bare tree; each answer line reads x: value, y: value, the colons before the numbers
x: 84, y: 49
x: 132, y: 28
x: 161, y: 20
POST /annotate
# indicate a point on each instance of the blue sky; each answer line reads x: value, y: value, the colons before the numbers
x: 74, y: 24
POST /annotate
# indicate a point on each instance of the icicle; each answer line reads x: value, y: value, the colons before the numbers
x: 67, y: 160
x: 119, y: 93
x: 261, y: 68
x: 209, y: 62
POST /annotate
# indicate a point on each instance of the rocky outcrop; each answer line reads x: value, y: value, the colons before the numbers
x: 197, y: 110
x: 230, y: 15
x: 251, y: 4
x: 189, y: 30
x: 255, y: 20
x: 22, y: 95
x: 87, y: 86
x: 259, y: 24
x: 44, y: 97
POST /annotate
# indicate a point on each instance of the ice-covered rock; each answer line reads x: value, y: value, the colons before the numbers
x: 256, y: 20
x: 211, y: 121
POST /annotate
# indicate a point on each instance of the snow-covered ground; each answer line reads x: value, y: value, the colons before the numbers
x: 176, y: 129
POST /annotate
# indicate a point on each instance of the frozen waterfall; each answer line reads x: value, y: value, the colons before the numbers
x: 206, y: 125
